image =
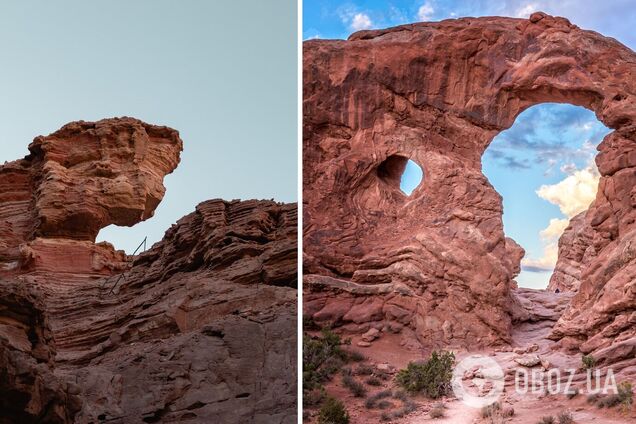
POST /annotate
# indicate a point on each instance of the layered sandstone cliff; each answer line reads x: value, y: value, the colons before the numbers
x: 436, y: 263
x: 201, y: 327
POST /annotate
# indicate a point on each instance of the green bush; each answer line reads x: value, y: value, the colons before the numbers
x: 433, y: 377
x: 322, y: 357
x: 333, y: 412
x: 588, y: 362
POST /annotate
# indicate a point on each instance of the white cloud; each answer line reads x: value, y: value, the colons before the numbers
x: 361, y: 21
x: 546, y: 262
x: 568, y: 168
x: 525, y: 10
x: 425, y: 12
x: 554, y: 229
x: 573, y: 194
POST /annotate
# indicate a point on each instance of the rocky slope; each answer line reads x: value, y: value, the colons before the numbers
x: 200, y: 328
x: 437, y: 262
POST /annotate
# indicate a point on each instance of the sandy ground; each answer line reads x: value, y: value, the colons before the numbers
x: 390, y: 351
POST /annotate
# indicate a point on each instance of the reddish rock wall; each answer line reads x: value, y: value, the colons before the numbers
x: 200, y: 328
x: 438, y: 93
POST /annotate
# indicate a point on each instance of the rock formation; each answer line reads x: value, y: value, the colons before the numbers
x: 199, y: 328
x: 575, y: 251
x: 437, y: 262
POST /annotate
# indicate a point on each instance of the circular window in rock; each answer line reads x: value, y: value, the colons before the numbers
x: 401, y: 173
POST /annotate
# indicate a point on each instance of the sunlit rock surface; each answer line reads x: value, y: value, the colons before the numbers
x: 437, y: 263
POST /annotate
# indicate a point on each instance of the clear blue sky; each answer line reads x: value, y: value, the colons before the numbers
x: 549, y: 145
x: 223, y: 73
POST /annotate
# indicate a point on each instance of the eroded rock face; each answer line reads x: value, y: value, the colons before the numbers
x: 80, y: 179
x: 201, y: 327
x: 30, y: 391
x: 575, y: 251
x: 438, y: 93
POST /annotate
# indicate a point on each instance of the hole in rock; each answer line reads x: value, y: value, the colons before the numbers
x: 543, y: 167
x: 401, y: 173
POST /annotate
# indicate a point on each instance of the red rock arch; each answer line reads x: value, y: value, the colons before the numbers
x: 440, y: 263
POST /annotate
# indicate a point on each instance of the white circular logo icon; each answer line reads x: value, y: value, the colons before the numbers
x: 478, y: 381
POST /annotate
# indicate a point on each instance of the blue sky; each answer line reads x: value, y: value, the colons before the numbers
x: 222, y: 73
x: 542, y: 166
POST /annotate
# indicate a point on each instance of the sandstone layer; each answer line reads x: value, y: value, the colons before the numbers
x: 437, y: 262
x: 199, y: 328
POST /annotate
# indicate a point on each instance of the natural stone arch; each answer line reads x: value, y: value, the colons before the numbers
x: 440, y: 263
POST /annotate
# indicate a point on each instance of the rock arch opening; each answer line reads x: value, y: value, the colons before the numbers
x: 402, y: 173
x: 543, y: 167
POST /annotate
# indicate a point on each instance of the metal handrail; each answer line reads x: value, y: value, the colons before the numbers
x: 123, y: 274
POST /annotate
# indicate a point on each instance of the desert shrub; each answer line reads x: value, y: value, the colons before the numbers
x: 565, y: 417
x: 373, y: 381
x: 355, y: 387
x: 593, y: 398
x: 364, y: 370
x: 588, y: 362
x: 322, y: 357
x: 384, y: 404
x: 400, y: 412
x: 490, y: 410
x: 547, y: 420
x: 608, y: 401
x: 437, y: 412
x: 371, y: 401
x: 355, y: 356
x: 401, y: 395
x: 309, y: 324
x: 433, y: 377
x: 623, y: 397
x: 625, y: 394
x: 314, y: 396
x: 333, y: 412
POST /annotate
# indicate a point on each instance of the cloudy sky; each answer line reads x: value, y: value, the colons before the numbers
x: 542, y: 166
x: 222, y: 73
